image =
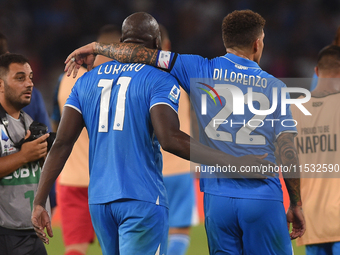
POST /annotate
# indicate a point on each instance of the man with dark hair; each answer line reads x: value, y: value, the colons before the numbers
x: 320, y: 188
x: 35, y: 109
x: 20, y: 169
x: 253, y: 219
x: 234, y: 26
x: 127, y: 109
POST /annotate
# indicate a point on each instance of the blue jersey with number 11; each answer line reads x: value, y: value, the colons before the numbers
x: 219, y: 93
x: 124, y: 157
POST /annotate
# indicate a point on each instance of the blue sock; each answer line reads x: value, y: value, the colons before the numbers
x: 178, y: 244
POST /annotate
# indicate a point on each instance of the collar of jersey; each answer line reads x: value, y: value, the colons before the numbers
x: 241, y: 61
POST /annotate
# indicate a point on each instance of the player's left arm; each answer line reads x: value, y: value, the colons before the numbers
x: 287, y: 156
x: 183, y: 67
x: 70, y: 127
x: 128, y: 53
x: 122, y: 52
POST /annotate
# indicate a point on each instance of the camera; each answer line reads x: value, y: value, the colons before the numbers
x: 38, y: 129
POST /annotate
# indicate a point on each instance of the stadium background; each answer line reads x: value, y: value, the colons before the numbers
x: 46, y: 31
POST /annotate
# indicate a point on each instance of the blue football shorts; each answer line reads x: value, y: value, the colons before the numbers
x: 182, y: 203
x: 323, y: 249
x: 126, y: 227
x: 246, y: 226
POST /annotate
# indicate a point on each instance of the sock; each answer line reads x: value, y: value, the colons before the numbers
x: 178, y: 244
x: 74, y: 252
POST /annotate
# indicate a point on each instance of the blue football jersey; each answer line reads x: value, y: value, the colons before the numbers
x: 229, y: 95
x: 124, y: 155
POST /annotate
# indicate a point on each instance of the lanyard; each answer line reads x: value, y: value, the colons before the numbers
x: 5, y: 122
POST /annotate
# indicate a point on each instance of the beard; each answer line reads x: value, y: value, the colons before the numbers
x: 20, y: 105
x: 15, y: 99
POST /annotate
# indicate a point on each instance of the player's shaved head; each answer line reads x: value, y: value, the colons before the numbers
x: 141, y: 28
x: 329, y: 59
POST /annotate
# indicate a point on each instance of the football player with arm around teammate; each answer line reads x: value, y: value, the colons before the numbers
x: 254, y: 213
x: 129, y: 110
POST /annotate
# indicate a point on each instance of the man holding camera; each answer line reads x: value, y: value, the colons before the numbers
x: 19, y: 159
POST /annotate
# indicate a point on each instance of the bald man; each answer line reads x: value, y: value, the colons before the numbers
x: 129, y: 110
x: 77, y: 229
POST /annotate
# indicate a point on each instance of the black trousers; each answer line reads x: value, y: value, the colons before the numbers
x: 21, y: 245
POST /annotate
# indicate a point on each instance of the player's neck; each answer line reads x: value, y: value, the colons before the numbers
x: 326, y: 86
x: 240, y: 53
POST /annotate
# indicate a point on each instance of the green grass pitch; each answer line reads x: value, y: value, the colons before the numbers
x: 198, y: 245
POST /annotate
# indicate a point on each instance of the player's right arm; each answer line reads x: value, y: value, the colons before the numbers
x: 70, y: 127
x: 30, y: 151
x: 287, y: 154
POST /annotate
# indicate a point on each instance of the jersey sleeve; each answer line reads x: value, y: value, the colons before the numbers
x: 182, y: 67
x: 165, y: 91
x: 283, y: 123
x: 73, y: 99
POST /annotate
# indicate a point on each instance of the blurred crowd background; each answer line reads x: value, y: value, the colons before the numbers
x: 46, y: 31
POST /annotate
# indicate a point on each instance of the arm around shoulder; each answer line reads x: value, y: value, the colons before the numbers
x: 122, y: 52
x: 70, y: 127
